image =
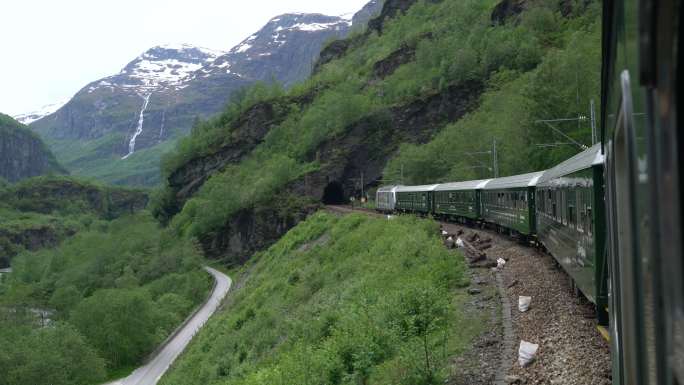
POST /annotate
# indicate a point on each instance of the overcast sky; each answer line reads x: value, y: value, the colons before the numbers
x: 52, y: 48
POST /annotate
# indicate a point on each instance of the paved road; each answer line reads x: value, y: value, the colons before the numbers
x: 152, y: 372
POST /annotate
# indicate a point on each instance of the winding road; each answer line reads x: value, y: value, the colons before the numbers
x: 155, y: 368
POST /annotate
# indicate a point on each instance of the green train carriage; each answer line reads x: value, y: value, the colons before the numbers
x: 571, y: 223
x: 460, y: 200
x: 509, y: 202
x: 415, y: 199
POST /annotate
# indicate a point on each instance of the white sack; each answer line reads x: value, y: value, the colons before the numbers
x: 459, y: 243
x: 500, y: 263
x: 526, y: 353
x: 524, y: 303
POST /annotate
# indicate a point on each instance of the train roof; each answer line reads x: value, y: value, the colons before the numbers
x: 465, y: 185
x: 584, y: 160
x: 423, y: 188
x: 515, y: 181
x: 392, y: 188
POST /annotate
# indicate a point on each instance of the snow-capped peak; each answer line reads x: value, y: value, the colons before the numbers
x: 44, y: 111
x: 184, y: 47
x: 274, y: 33
x: 160, y: 67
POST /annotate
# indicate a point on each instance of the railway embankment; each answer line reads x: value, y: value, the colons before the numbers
x: 571, y: 350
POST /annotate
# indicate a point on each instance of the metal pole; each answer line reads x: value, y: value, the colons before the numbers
x: 363, y: 195
x: 594, y: 138
x: 402, y: 173
x: 495, y: 159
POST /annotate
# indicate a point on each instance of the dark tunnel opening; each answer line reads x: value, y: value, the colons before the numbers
x: 333, y: 194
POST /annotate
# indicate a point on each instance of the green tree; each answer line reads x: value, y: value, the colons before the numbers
x: 121, y: 324
x: 65, y: 298
x: 57, y: 355
x: 423, y: 310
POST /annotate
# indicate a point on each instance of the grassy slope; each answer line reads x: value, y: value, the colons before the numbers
x: 85, y: 158
x: 338, y: 300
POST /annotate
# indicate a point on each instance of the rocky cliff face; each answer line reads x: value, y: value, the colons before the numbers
x: 369, y: 11
x: 363, y: 148
x: 22, y: 153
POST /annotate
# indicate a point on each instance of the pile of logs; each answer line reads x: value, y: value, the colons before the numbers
x: 473, y: 246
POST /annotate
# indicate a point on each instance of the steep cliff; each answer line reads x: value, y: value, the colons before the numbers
x: 22, y: 153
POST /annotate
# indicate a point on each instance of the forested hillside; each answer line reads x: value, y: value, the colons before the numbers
x: 412, y: 97
x: 96, y: 285
x: 110, y: 295
x: 22, y: 153
x: 40, y: 212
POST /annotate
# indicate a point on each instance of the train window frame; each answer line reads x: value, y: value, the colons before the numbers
x: 590, y: 223
x: 571, y: 216
x: 581, y: 209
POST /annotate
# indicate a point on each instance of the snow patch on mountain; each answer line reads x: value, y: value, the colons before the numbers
x: 244, y: 47
x: 168, y: 66
x: 319, y: 26
x: 44, y: 111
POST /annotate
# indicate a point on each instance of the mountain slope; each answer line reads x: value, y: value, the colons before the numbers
x: 441, y: 73
x: 22, y: 153
x: 116, y: 128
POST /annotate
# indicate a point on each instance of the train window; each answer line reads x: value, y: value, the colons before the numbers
x: 571, y: 216
x: 565, y: 206
x: 515, y: 200
x: 590, y: 221
x: 561, y: 203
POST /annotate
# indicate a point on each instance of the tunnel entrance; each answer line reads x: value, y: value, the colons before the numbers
x: 333, y: 194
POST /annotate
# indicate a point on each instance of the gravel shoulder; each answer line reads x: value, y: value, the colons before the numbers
x: 571, y: 350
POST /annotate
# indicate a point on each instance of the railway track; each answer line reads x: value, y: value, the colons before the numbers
x: 571, y: 350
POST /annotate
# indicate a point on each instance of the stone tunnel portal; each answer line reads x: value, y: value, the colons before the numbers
x: 334, y: 194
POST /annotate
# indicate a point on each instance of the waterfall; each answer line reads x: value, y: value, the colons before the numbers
x: 161, y: 131
x: 139, y: 129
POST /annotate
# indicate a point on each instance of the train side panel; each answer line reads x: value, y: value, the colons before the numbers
x: 567, y: 227
x: 509, y: 208
x: 415, y: 201
x: 457, y: 203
